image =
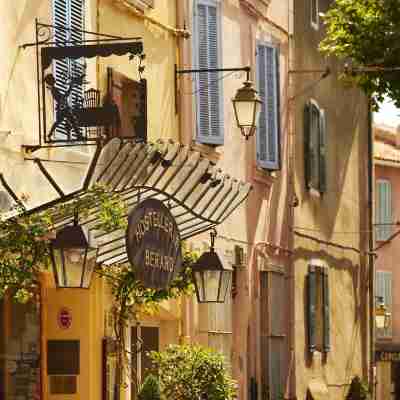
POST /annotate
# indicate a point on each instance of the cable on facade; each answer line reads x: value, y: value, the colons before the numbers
x: 333, y: 244
x: 397, y: 233
x: 184, y: 33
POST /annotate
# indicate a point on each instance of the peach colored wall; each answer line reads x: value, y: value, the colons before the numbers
x: 389, y: 255
x: 263, y: 216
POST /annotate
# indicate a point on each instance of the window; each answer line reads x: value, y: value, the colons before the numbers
x: 130, y: 98
x: 220, y: 327
x: 318, y: 309
x: 68, y: 18
x: 208, y: 85
x: 143, y: 340
x: 273, y: 339
x: 314, y: 14
x: 315, y: 147
x: 383, y: 209
x: 268, y: 132
x: 19, y: 350
x: 384, y: 289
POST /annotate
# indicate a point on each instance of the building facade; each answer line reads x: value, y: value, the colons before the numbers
x: 386, y: 157
x: 295, y: 321
x: 329, y: 320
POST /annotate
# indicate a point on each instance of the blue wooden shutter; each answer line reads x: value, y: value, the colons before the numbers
x: 76, y: 24
x: 325, y: 310
x: 322, y: 151
x: 306, y: 138
x: 268, y: 143
x: 209, y: 101
x: 68, y: 18
x: 311, y: 307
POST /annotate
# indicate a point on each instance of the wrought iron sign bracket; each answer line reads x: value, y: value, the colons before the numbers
x: 246, y: 69
x: 81, y: 116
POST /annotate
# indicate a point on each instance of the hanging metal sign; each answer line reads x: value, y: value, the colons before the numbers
x: 153, y: 244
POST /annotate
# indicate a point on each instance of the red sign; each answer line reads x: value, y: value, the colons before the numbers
x: 64, y: 318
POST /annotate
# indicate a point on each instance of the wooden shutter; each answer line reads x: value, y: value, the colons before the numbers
x: 307, y: 155
x: 325, y: 310
x: 209, y: 86
x: 268, y: 143
x: 68, y: 18
x: 311, y: 307
x: 76, y: 24
x: 384, y: 209
x: 322, y: 152
x: 130, y: 97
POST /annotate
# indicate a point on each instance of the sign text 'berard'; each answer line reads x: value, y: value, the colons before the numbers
x: 153, y: 244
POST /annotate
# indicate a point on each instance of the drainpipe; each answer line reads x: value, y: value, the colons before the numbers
x: 371, y: 260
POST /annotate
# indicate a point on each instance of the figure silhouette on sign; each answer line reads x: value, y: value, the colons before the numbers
x: 64, y: 111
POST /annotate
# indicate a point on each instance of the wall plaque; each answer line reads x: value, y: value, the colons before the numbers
x: 153, y: 244
x: 64, y: 318
x: 63, y: 357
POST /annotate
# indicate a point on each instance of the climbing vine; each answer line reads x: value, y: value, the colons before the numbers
x: 24, y: 254
x: 24, y: 238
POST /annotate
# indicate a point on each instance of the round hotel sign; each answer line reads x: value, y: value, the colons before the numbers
x: 153, y: 244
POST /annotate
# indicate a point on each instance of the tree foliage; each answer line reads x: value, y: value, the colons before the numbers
x: 150, y: 390
x: 365, y: 34
x: 193, y: 372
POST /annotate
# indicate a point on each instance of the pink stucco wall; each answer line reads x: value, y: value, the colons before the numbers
x: 389, y: 255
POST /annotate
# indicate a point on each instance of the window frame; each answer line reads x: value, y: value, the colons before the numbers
x: 315, y: 141
x: 218, y: 141
x: 383, y: 232
x: 267, y: 164
x: 385, y: 333
x: 314, y: 13
x: 319, y: 335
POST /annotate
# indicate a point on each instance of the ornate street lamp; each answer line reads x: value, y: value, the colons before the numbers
x: 247, y: 107
x: 73, y: 255
x: 382, y: 316
x: 211, y: 279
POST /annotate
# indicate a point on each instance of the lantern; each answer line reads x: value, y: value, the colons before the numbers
x: 382, y: 316
x: 73, y: 256
x: 211, y: 279
x: 247, y: 107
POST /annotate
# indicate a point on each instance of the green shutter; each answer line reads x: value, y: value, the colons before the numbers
x: 311, y: 307
x: 383, y: 209
x: 325, y: 310
x: 322, y: 152
x: 306, y: 136
x: 209, y: 86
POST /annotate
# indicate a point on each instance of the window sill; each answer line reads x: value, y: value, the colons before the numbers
x: 207, y: 151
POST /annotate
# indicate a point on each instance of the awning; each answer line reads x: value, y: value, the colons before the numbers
x: 198, y: 194
x: 48, y: 54
x: 318, y: 389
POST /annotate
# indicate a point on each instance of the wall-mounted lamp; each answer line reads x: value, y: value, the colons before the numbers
x: 246, y: 103
x: 382, y: 316
x: 211, y: 279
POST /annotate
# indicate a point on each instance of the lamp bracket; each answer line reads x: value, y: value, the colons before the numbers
x: 246, y: 69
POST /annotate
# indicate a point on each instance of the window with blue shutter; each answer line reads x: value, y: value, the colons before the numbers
x: 68, y: 19
x: 208, y: 85
x: 315, y: 145
x: 383, y: 213
x: 268, y: 131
